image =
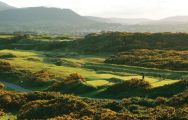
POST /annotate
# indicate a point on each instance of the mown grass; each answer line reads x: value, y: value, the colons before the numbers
x: 8, y: 117
x: 92, y: 68
x: 6, y: 36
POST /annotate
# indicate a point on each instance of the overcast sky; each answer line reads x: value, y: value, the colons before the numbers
x: 154, y: 9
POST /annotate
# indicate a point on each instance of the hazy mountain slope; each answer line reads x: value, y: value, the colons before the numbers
x: 142, y: 21
x: 124, y: 21
x: 42, y: 19
x: 55, y: 20
x: 174, y: 20
x: 42, y: 15
x: 4, y: 6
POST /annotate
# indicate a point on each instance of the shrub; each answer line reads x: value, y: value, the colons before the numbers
x: 72, y: 84
x: 41, y: 76
x: 115, y: 80
x: 132, y: 85
x: 2, y: 85
x: 12, y: 101
x: 135, y: 108
x: 5, y: 66
x: 64, y: 117
x: 106, y: 114
x: 45, y: 109
x: 143, y: 101
x: 2, y: 112
x: 161, y: 100
x: 6, y: 99
x: 164, y: 59
x: 114, y: 105
x: 176, y: 100
x: 33, y: 59
x: 137, y: 83
x: 126, y: 116
x: 126, y: 101
x: 7, y: 56
x: 74, y: 77
x: 182, y: 113
x: 162, y: 113
x: 38, y: 79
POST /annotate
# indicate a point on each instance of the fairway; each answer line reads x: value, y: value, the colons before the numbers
x: 91, y: 68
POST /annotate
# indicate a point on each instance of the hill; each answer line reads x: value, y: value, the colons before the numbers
x: 39, y: 15
x: 113, y: 42
x: 123, y: 21
x: 4, y: 6
x: 163, y: 59
x: 42, y: 19
x: 172, y: 20
x: 56, y: 20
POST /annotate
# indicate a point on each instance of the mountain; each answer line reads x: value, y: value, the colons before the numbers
x: 43, y: 19
x: 42, y: 15
x: 175, y: 19
x: 56, y: 20
x: 142, y: 21
x: 4, y: 6
x: 129, y: 21
x: 123, y: 21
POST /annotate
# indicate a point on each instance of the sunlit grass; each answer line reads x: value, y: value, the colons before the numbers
x: 6, y: 36
x: 8, y: 117
x: 19, y: 53
x: 98, y: 83
x: 93, y: 77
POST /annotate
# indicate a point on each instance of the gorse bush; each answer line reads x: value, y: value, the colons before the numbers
x: 5, y: 66
x: 129, y: 85
x: 163, y: 113
x: 2, y: 85
x: 37, y: 79
x: 12, y: 101
x: 133, y: 87
x: 164, y: 59
x: 74, y: 84
x: 114, y: 42
x: 63, y: 105
x: 74, y: 77
x: 161, y: 100
x: 7, y: 56
x: 42, y: 75
x: 142, y: 88
x: 46, y: 105
x: 111, y: 42
x: 1, y: 112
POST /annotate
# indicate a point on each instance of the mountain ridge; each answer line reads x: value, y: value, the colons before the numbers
x: 4, y: 6
x: 45, y: 19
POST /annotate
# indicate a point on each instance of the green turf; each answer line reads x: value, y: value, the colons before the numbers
x: 8, y: 116
x: 91, y: 68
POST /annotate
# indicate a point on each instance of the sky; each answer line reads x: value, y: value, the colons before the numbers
x: 152, y: 9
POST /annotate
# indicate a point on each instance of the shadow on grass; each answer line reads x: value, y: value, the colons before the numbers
x: 111, y: 68
x: 163, y: 91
